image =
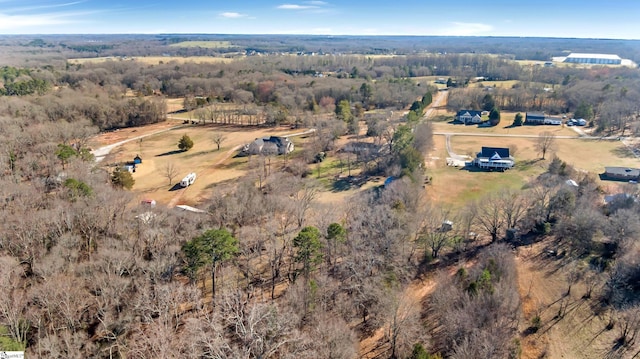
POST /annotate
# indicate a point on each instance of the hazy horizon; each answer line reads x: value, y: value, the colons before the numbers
x: 584, y: 20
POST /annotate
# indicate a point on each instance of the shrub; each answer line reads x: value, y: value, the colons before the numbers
x: 185, y: 143
x: 122, y: 179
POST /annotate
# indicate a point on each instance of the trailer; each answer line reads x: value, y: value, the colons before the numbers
x: 188, y: 180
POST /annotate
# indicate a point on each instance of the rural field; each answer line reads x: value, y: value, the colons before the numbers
x: 456, y: 186
x: 204, y: 44
x: 155, y: 60
x: 210, y: 165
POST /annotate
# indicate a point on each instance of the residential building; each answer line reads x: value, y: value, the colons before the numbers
x: 494, y: 158
x: 534, y: 118
x: 539, y: 118
x: 469, y: 117
x: 273, y: 145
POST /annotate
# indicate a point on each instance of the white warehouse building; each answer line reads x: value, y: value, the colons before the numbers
x: 595, y: 59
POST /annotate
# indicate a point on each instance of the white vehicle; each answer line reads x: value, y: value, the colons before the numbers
x: 188, y: 180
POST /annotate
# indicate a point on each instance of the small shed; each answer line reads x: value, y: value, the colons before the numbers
x: 137, y: 160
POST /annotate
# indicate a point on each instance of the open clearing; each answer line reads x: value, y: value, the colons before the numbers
x: 456, y: 186
x: 204, y: 44
x: 210, y: 165
x: 155, y: 60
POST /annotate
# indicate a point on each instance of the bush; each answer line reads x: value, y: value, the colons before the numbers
x: 185, y: 143
x: 517, y: 121
x: 122, y: 179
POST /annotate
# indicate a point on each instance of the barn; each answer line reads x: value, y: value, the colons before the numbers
x: 593, y: 59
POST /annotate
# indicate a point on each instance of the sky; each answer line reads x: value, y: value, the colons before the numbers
x: 611, y: 19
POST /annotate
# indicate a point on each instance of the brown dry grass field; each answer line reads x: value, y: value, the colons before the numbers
x: 203, y: 44
x: 155, y: 60
x: 210, y: 165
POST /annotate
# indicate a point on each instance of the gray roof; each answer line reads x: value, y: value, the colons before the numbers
x: 535, y: 115
x: 594, y: 56
x: 622, y: 171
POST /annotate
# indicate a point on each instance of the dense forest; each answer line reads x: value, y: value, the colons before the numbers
x: 269, y: 271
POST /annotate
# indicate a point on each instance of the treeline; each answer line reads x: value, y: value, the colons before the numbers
x: 541, y: 49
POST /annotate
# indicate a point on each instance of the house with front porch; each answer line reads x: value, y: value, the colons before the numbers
x: 494, y: 158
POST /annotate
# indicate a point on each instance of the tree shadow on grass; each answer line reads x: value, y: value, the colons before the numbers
x: 623, y: 152
x: 340, y: 185
x: 174, y: 152
x: 194, y: 154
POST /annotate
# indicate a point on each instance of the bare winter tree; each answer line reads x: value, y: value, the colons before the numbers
x: 404, y: 326
x: 629, y: 324
x: 545, y: 142
x: 489, y: 215
x: 515, y: 205
x: 218, y: 138
x: 170, y: 172
x: 436, y: 231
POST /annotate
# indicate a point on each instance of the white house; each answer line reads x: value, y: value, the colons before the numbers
x: 494, y: 158
x: 469, y: 116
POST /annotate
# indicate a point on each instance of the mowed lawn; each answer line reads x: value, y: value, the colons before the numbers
x: 456, y: 186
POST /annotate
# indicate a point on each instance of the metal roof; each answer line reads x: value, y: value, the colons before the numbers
x: 594, y: 56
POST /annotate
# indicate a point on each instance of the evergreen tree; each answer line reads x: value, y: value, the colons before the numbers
x: 213, y: 247
x: 64, y: 153
x: 488, y: 103
x: 185, y: 143
x: 343, y: 111
x: 518, y: 120
x: 494, y: 116
x: 308, y: 249
x: 122, y: 179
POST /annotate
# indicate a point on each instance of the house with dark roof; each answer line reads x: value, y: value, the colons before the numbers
x: 469, y: 117
x: 273, y: 145
x: 621, y: 173
x: 494, y: 158
x: 534, y: 118
x: 539, y: 118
